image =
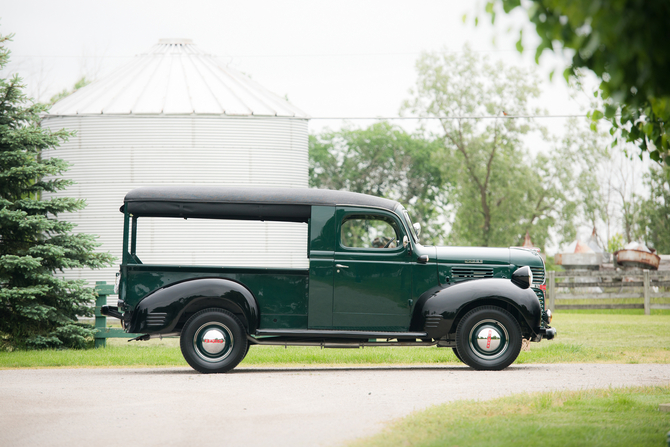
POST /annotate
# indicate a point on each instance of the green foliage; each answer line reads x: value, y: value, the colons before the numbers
x: 550, y: 264
x: 623, y: 43
x: 615, y: 243
x: 83, y: 82
x: 486, y: 156
x: 654, y: 218
x: 37, y: 308
x: 500, y: 190
x: 385, y: 161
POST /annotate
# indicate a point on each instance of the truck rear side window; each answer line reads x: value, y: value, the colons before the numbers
x: 214, y: 242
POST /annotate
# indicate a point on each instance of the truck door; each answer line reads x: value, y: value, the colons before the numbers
x: 372, y: 272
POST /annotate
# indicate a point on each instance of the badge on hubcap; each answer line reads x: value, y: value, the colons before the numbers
x: 213, y: 341
x: 489, y: 339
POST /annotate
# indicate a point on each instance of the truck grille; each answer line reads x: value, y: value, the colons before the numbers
x: 459, y: 274
x: 540, y: 296
x: 538, y: 275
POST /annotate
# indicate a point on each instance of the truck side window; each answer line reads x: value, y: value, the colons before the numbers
x: 369, y: 232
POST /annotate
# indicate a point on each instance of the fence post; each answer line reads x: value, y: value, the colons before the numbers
x: 551, y: 289
x: 100, y: 320
x: 647, y: 300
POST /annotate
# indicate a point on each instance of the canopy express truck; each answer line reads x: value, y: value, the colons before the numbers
x: 369, y: 283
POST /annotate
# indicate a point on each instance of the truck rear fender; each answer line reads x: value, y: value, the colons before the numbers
x: 167, y: 308
x: 438, y: 311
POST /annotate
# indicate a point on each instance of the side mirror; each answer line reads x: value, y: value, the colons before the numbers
x: 407, y: 245
x: 417, y: 229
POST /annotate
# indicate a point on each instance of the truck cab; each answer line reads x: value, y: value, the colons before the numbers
x: 370, y: 282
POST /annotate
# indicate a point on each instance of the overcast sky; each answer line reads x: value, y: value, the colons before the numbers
x: 330, y: 58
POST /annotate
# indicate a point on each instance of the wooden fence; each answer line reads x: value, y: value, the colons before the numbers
x: 102, y: 331
x: 640, y: 285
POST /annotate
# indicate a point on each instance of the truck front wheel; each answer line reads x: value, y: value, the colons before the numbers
x: 458, y: 356
x: 488, y: 338
x: 213, y: 341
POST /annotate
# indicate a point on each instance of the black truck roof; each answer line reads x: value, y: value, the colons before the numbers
x: 245, y: 203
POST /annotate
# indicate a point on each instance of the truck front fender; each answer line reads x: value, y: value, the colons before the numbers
x: 160, y: 311
x: 441, y: 309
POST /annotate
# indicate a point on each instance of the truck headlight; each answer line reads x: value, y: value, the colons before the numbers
x: 523, y: 277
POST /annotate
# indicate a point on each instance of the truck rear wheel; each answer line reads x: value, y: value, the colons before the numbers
x: 213, y: 341
x: 488, y: 338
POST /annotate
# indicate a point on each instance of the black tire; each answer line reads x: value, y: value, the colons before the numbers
x: 488, y: 338
x: 204, y: 332
x: 458, y: 356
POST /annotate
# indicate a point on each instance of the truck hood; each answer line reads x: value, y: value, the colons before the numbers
x: 489, y: 256
x: 473, y: 255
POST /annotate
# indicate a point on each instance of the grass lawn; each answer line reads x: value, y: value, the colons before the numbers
x: 605, y: 417
x: 582, y: 337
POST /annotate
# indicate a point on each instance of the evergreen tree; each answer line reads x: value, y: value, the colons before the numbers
x: 37, y: 308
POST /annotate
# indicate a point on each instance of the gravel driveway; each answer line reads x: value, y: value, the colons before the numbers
x: 260, y: 407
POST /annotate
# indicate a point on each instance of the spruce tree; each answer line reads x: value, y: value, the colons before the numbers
x: 38, y: 309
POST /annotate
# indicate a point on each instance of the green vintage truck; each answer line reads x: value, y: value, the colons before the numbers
x: 369, y: 283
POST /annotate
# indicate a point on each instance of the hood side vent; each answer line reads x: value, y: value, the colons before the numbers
x: 460, y: 274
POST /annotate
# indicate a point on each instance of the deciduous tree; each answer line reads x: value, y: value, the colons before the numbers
x: 654, y: 218
x: 624, y: 43
x: 501, y: 190
x: 386, y: 161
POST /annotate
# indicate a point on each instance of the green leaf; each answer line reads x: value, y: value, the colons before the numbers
x: 648, y: 129
x: 519, y: 44
x: 616, y: 40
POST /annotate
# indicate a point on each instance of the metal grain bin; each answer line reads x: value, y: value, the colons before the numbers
x: 178, y: 116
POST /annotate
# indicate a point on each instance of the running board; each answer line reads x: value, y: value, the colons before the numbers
x: 270, y: 341
x: 317, y: 333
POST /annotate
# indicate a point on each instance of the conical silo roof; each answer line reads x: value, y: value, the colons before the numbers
x: 175, y: 78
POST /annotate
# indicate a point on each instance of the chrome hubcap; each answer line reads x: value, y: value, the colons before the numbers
x: 489, y: 339
x: 213, y: 342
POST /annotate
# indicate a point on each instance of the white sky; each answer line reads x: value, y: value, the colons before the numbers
x: 331, y: 58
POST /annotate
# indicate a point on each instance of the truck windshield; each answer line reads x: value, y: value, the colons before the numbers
x: 411, y: 227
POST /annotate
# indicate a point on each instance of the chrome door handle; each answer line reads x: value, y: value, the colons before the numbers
x: 340, y: 266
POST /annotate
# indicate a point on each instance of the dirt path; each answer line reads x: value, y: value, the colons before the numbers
x: 259, y: 407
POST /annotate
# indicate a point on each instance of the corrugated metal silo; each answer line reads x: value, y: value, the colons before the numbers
x: 178, y: 116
